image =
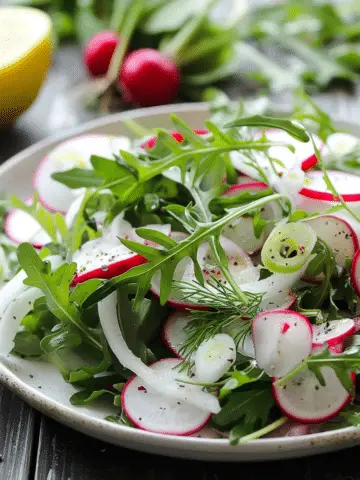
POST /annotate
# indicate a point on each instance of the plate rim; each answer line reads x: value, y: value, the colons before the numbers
x: 96, y: 427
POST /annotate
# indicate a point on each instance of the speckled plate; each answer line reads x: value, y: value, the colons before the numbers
x: 41, y: 385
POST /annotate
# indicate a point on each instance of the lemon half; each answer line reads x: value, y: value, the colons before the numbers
x: 25, y: 55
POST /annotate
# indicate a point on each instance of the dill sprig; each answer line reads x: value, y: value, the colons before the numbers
x: 226, y: 309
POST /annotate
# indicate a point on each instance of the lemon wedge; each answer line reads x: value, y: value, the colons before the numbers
x: 25, y: 55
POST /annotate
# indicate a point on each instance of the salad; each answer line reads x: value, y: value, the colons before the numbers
x: 204, y: 282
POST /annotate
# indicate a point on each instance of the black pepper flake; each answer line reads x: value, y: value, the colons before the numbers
x: 31, y: 376
x: 178, y: 403
x: 1, y: 458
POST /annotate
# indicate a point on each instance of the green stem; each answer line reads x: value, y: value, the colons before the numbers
x: 136, y: 128
x: 118, y: 15
x: 264, y: 431
x: 296, y: 370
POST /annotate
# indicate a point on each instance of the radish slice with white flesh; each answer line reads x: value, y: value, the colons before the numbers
x: 165, y: 386
x: 106, y: 257
x: 150, y: 410
x: 21, y: 227
x: 174, y: 333
x: 240, y: 266
x: 338, y: 234
x: 241, y: 230
x: 16, y: 300
x: 355, y: 273
x: 214, y: 357
x: 288, y: 247
x: 346, y: 184
x: 73, y: 153
x: 304, y: 155
x: 333, y: 333
x: 282, y: 340
x: 340, y: 144
x: 303, y: 399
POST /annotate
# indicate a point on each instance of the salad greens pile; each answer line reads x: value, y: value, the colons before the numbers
x: 182, y: 184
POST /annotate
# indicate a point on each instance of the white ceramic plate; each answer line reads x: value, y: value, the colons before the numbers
x: 41, y: 385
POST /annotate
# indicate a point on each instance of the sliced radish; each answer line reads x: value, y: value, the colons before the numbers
x: 303, y: 399
x: 338, y: 234
x: 356, y: 324
x: 288, y: 247
x: 150, y: 410
x: 162, y: 382
x: 214, y: 357
x: 241, y: 230
x: 174, y: 333
x: 333, y: 332
x: 246, y: 346
x: 282, y: 340
x: 355, y: 273
x: 240, y: 266
x: 346, y: 184
x: 340, y: 144
x: 73, y: 153
x: 304, y: 155
x: 22, y: 227
x: 106, y: 257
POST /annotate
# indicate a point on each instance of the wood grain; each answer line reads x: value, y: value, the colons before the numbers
x: 17, y: 427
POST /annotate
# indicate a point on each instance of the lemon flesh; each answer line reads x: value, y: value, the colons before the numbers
x: 25, y: 55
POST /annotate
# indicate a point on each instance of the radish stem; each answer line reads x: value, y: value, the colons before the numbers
x: 264, y: 431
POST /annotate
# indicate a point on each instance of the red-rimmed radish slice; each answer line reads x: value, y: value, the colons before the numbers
x: 241, y: 230
x: 165, y: 385
x: 276, y: 290
x: 214, y: 357
x: 149, y: 410
x: 288, y: 247
x: 356, y: 324
x: 355, y: 273
x: 22, y: 227
x: 246, y: 346
x: 282, y: 340
x: 174, y: 333
x: 304, y: 151
x: 151, y: 142
x: 303, y: 399
x: 240, y: 266
x: 340, y: 144
x: 333, y: 332
x: 73, y: 153
x: 338, y: 234
x: 346, y: 184
x: 106, y: 257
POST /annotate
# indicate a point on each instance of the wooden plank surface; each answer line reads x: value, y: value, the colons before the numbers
x: 17, y: 428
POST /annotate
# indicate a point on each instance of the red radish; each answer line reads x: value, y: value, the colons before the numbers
x: 99, y: 51
x: 355, y: 273
x: 148, y: 78
x: 106, y: 257
x: 151, y: 142
x: 149, y: 410
x: 333, y: 333
x: 304, y: 154
x: 241, y: 231
x: 303, y: 399
x: 346, y: 184
x: 356, y: 324
x: 338, y: 234
x: 240, y: 266
x: 73, y: 153
x: 163, y: 383
x: 340, y: 144
x: 174, y: 333
x: 22, y: 227
x: 282, y: 340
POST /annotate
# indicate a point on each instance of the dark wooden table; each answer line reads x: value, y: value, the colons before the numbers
x: 35, y: 447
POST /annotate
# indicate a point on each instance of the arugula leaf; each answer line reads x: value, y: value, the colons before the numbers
x: 85, y: 397
x: 78, y: 178
x: 55, y: 287
x: 288, y: 126
x: 239, y: 378
x: 248, y: 408
x: 28, y: 344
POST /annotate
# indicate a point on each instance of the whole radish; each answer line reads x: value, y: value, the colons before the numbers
x: 148, y: 78
x: 99, y: 51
